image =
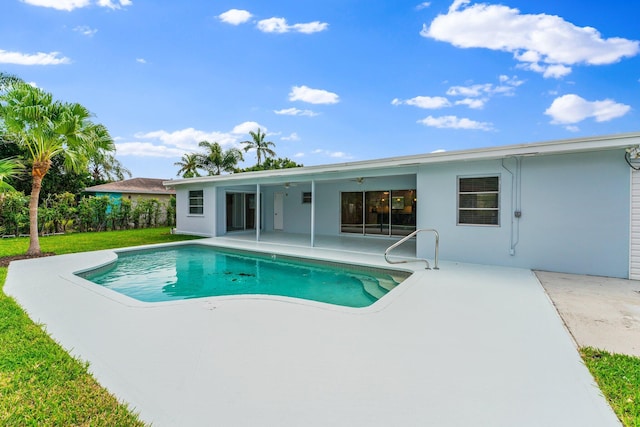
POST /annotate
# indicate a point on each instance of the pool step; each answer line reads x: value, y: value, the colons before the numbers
x: 372, y: 287
x: 387, y: 283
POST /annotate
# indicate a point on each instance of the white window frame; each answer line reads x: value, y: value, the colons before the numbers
x: 193, y: 199
x: 496, y: 209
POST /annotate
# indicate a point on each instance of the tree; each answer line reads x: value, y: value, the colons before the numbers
x: 104, y: 167
x: 8, y: 168
x: 48, y: 129
x: 189, y: 165
x: 269, y: 164
x: 261, y: 146
x: 7, y: 80
x: 216, y: 160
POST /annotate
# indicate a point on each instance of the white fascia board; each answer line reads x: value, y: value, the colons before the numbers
x: 351, y: 169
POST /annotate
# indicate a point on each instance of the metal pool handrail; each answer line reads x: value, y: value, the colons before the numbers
x: 404, y: 239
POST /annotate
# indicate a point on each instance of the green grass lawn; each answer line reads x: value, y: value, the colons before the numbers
x: 40, y: 384
x: 618, y: 376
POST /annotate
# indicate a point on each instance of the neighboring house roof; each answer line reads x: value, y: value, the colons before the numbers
x: 134, y: 185
x: 326, y: 172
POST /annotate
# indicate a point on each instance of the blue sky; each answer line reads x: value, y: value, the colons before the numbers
x: 331, y: 81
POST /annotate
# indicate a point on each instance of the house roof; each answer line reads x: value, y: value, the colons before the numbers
x: 134, y: 185
x: 389, y: 166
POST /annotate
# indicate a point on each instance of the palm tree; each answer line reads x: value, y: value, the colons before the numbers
x: 103, y: 166
x: 215, y: 160
x: 8, y: 168
x: 7, y: 80
x: 46, y: 129
x: 261, y: 146
x: 189, y: 165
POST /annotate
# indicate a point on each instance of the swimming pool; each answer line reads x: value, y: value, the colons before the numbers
x: 196, y: 271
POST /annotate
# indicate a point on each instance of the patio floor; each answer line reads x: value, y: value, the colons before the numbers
x: 463, y: 345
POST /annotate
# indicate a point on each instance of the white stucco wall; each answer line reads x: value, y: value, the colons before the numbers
x: 202, y: 225
x: 575, y: 214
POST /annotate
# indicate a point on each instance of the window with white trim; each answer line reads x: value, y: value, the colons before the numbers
x: 196, y: 202
x: 478, y: 200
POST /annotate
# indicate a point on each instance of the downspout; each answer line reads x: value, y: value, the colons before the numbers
x: 313, y: 212
x: 516, y: 211
x: 258, y: 212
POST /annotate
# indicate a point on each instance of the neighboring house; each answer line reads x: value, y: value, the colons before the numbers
x: 569, y: 206
x: 134, y: 189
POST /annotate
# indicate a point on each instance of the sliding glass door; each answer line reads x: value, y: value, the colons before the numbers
x: 378, y: 212
x: 241, y: 211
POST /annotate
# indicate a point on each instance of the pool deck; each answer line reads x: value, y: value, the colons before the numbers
x: 463, y: 345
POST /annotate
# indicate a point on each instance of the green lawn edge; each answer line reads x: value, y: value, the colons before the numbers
x: 40, y: 383
x: 618, y: 377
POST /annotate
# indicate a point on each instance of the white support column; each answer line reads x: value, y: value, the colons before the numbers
x: 258, y: 213
x: 313, y: 212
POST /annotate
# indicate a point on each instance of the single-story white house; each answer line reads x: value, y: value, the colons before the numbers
x: 569, y: 206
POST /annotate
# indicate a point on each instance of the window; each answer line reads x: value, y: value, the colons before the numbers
x: 196, y: 202
x: 306, y: 197
x: 478, y: 200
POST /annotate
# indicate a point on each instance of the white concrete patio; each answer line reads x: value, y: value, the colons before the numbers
x: 464, y: 345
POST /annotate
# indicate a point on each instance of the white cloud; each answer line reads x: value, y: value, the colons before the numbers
x: 293, y: 137
x: 310, y: 27
x: 114, y: 4
x: 141, y: 60
x: 295, y: 112
x: 423, y: 5
x: 427, y: 102
x: 472, y: 91
x: 235, y: 16
x: 298, y: 155
x: 67, y: 5
x: 162, y: 143
x: 474, y: 103
x: 147, y: 149
x: 313, y: 96
x: 70, y: 5
x: 279, y: 25
x: 475, y: 95
x: 453, y: 122
x: 85, y: 30
x: 244, y: 128
x: 40, y: 58
x: 542, y: 43
x: 332, y: 154
x: 571, y: 109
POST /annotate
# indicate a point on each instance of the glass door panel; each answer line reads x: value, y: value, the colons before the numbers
x: 377, y: 212
x: 403, y: 212
x: 250, y: 211
x: 351, y: 212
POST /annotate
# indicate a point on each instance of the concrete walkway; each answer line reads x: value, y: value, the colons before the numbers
x: 465, y: 345
x: 600, y: 312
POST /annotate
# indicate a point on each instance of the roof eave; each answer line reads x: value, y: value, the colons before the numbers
x: 564, y: 146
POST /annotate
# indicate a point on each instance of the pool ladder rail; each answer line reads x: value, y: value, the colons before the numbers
x: 404, y: 239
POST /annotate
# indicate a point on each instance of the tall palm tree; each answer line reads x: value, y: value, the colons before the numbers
x: 216, y: 160
x: 8, y: 168
x: 189, y: 165
x: 45, y: 129
x: 261, y: 146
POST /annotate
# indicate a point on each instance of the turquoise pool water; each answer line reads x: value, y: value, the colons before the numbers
x: 195, y: 271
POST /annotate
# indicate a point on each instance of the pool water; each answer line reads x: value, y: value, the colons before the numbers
x: 195, y: 271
